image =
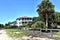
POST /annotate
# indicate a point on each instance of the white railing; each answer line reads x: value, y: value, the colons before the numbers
x: 51, y: 33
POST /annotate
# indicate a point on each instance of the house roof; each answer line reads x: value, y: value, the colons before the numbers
x: 13, y: 22
x: 25, y: 17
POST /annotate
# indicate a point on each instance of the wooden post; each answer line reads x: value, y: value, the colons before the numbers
x: 51, y: 34
x: 40, y: 31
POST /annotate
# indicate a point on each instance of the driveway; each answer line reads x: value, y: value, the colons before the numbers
x: 4, y: 36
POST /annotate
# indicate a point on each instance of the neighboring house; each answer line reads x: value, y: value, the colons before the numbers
x: 21, y: 21
x: 14, y: 23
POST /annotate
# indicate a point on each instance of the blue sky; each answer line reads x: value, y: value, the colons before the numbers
x: 12, y: 9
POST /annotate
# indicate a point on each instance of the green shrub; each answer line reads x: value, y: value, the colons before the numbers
x: 29, y: 24
x: 11, y: 27
x: 40, y: 24
x: 7, y: 27
x: 22, y: 26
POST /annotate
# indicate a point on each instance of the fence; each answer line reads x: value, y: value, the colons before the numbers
x: 39, y: 32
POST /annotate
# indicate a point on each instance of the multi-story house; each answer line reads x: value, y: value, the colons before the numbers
x: 21, y: 21
x: 14, y: 23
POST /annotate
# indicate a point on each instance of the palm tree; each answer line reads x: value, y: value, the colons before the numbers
x: 45, y: 9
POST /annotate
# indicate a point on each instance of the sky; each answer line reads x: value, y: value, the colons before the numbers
x: 12, y: 9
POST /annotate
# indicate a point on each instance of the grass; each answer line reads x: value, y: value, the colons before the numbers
x: 57, y: 33
x: 15, y: 33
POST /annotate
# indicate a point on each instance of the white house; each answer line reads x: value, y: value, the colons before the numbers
x: 20, y: 21
x: 14, y: 23
x: 23, y: 20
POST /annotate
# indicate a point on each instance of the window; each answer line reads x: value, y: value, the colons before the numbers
x: 19, y: 22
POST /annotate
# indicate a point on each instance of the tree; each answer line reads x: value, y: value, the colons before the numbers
x: 57, y: 17
x: 46, y: 11
x: 1, y: 26
x: 35, y: 19
x: 7, y: 24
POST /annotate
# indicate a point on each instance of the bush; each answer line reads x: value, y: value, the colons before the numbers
x: 11, y: 27
x: 38, y: 24
x: 29, y: 24
x: 22, y: 26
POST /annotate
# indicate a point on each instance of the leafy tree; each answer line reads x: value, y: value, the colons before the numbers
x: 46, y: 12
x: 57, y: 17
x: 7, y: 25
x: 35, y: 19
x: 1, y: 26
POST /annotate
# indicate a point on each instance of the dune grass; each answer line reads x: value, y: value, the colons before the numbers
x: 15, y: 33
x: 57, y: 33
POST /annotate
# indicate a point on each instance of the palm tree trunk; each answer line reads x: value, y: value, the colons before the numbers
x: 46, y: 20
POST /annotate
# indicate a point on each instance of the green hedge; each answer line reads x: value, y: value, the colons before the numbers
x: 11, y: 27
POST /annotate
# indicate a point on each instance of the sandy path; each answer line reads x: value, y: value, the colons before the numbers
x: 4, y: 36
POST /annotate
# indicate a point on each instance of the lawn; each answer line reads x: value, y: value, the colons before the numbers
x: 15, y: 33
